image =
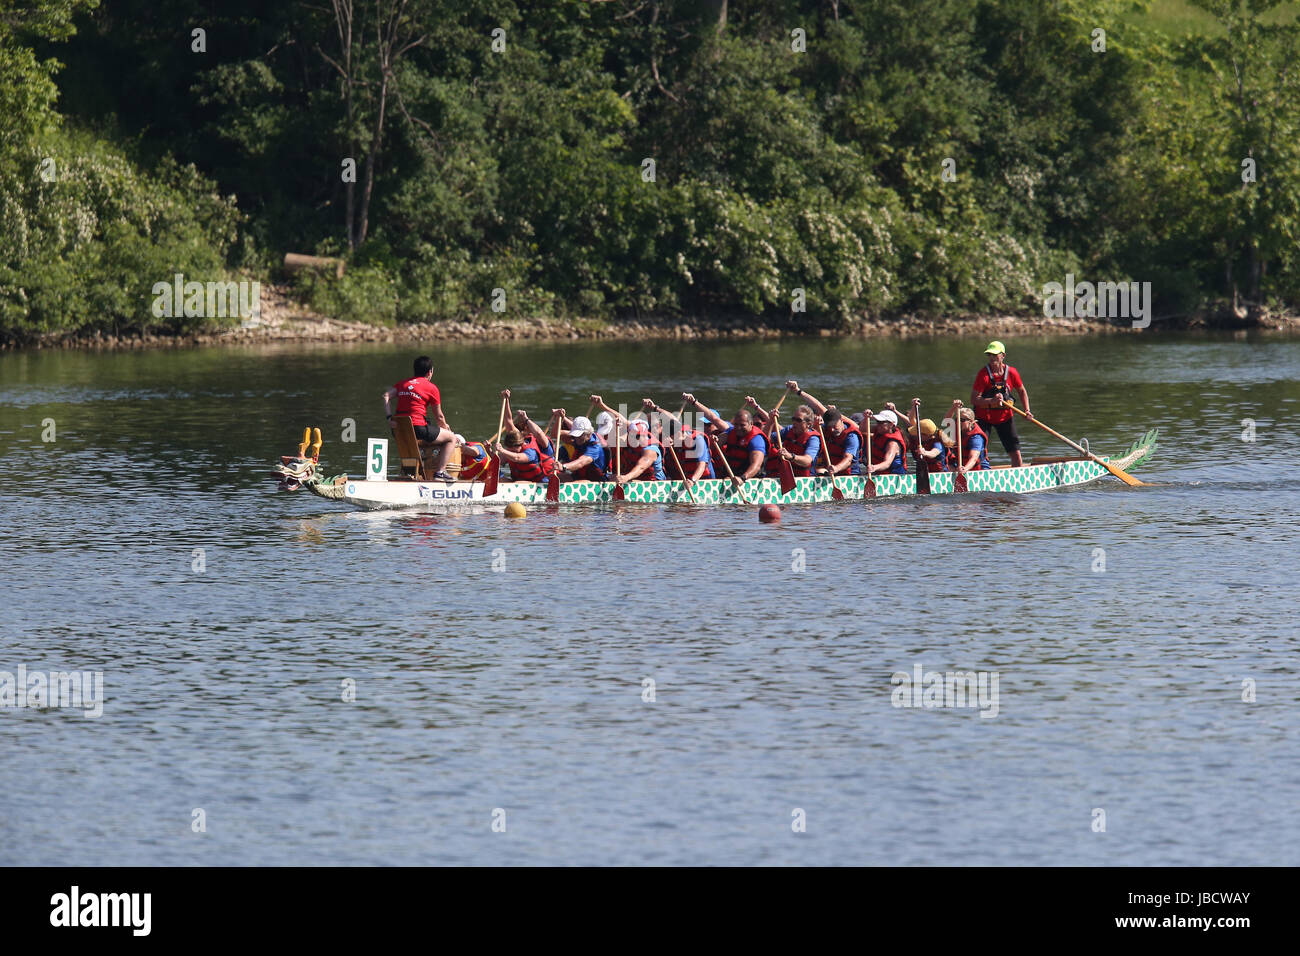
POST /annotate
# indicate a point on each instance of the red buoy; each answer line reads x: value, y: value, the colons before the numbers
x: 769, y: 513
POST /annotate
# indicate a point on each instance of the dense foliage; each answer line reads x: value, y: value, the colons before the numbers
x: 503, y: 145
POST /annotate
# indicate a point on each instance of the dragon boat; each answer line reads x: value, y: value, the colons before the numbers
x: 372, y: 492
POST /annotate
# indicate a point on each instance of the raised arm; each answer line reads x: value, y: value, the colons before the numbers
x: 808, y: 399
x: 600, y: 403
x: 505, y: 396
x: 536, y: 430
x: 713, y: 418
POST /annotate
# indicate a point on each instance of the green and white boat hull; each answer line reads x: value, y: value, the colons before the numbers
x: 438, y: 495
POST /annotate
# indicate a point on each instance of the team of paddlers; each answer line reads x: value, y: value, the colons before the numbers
x: 655, y: 444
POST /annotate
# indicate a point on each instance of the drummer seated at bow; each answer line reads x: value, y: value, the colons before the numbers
x: 843, y: 436
x: 799, y: 444
x: 888, y: 446
x: 974, y: 442
x: 694, y: 458
x: 419, y: 398
x: 639, y: 453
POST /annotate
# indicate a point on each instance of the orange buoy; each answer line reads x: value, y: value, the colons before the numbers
x: 769, y: 514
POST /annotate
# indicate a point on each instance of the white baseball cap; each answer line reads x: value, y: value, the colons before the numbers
x: 581, y: 425
x: 886, y: 416
x: 604, y: 423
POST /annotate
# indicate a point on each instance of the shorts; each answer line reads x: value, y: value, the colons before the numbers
x: 1006, y: 433
x: 428, y: 433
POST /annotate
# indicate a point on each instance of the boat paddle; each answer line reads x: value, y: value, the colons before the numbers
x: 869, y: 483
x: 553, y: 480
x: 493, y: 469
x: 619, y: 494
x: 672, y: 448
x: 958, y: 478
x: 681, y: 471
x: 1115, y: 470
x: 836, y: 494
x: 922, y: 468
x: 740, y: 485
x: 783, y: 466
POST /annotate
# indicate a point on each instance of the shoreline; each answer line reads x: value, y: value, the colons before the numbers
x: 284, y: 322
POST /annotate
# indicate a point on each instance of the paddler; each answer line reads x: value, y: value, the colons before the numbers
x: 933, y: 445
x: 419, y: 397
x: 529, y: 460
x: 642, y: 457
x: 995, y: 385
x: 742, y: 443
x: 696, y: 460
x: 799, y: 444
x: 974, y: 442
x: 587, y: 461
x: 531, y: 433
x: 888, y: 446
x: 843, y: 436
x: 473, y: 459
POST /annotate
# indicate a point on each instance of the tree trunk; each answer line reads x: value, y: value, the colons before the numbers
x: 364, y: 224
x: 713, y: 16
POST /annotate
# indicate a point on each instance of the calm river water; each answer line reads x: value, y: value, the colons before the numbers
x: 1125, y: 626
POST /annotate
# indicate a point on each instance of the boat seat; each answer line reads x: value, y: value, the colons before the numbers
x: 409, y: 448
x: 417, y: 456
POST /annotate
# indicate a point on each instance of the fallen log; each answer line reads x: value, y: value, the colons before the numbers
x: 293, y: 261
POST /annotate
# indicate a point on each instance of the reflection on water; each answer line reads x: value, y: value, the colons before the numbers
x: 503, y: 664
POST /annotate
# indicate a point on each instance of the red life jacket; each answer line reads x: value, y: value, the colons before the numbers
x: 736, y: 448
x: 953, y: 462
x: 879, y: 444
x: 687, y: 438
x: 527, y: 471
x: 997, y: 386
x: 474, y: 469
x: 794, y: 446
x: 637, y: 441
x: 836, y: 444
x: 937, y: 464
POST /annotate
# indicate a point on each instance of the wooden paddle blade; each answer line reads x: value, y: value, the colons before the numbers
x: 619, y: 494
x: 1121, y: 474
x: 922, y: 476
x: 869, y: 490
x: 836, y: 494
x: 959, y: 482
x: 787, y: 477
x: 492, y: 477
x: 553, y: 488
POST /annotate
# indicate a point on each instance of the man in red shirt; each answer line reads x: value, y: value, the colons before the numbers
x: 994, y: 386
x: 419, y: 398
